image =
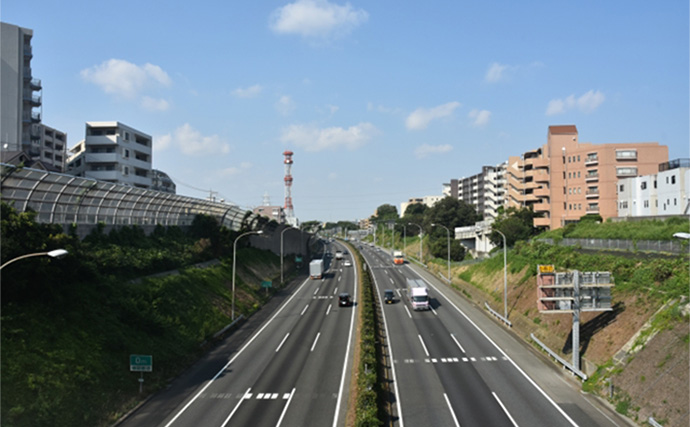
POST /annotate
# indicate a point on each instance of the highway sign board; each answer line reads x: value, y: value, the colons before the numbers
x: 140, y: 363
x: 266, y: 284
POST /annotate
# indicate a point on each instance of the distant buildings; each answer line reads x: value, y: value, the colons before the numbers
x: 21, y: 129
x: 276, y: 213
x: 659, y: 194
x: 485, y: 191
x: 428, y: 201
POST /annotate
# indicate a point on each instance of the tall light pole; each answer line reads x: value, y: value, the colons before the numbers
x: 57, y: 253
x: 448, y: 234
x: 421, y: 238
x: 505, y: 277
x: 234, y: 263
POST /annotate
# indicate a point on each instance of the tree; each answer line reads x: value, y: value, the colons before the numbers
x: 414, y: 213
x: 516, y: 224
x: 386, y: 212
x: 452, y: 213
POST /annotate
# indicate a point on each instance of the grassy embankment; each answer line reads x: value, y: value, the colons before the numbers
x: 65, y: 361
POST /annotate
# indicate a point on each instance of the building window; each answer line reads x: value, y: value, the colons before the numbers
x: 578, y: 172
x: 673, y: 179
x: 126, y: 170
x: 578, y: 158
x: 579, y: 206
x: 643, y: 186
x: 621, y: 188
x: 126, y: 153
x: 646, y: 203
x: 655, y: 183
x: 626, y: 154
x: 626, y: 171
x: 674, y: 202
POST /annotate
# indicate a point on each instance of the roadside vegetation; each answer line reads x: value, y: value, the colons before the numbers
x: 69, y: 325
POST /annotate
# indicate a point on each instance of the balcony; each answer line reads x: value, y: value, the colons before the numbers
x: 34, y: 100
x: 626, y: 172
x: 541, y: 207
x: 542, y: 192
x: 591, y: 159
x: 626, y: 154
x: 592, y: 176
x: 542, y: 222
x: 592, y: 193
x: 542, y: 176
x: 540, y: 163
x: 592, y: 208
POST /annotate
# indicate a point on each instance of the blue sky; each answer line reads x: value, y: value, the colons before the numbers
x: 380, y: 101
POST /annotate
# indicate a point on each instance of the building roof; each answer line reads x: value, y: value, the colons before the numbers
x: 562, y: 129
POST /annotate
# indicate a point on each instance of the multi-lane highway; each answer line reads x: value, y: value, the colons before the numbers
x: 452, y: 366
x: 294, y: 370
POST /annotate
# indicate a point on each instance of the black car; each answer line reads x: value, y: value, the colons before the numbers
x: 344, y: 300
x: 388, y: 296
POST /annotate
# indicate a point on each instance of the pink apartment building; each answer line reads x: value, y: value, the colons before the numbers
x: 564, y: 179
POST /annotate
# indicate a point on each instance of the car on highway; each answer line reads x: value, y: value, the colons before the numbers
x: 388, y: 296
x: 347, y: 263
x: 344, y: 300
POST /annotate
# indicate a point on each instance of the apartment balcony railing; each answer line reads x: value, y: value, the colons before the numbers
x: 591, y: 159
x: 626, y: 154
x: 592, y: 176
x: 592, y: 209
x: 592, y: 193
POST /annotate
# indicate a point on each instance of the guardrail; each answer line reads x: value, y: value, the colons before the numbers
x: 559, y: 359
x: 495, y: 313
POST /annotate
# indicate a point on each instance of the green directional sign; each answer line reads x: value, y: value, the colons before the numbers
x: 298, y: 259
x: 140, y: 363
x: 266, y: 284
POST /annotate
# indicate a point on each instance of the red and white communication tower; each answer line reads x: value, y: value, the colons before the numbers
x: 289, y: 211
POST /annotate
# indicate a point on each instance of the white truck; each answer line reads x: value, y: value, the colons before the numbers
x: 338, y: 254
x: 418, y: 294
x: 316, y: 269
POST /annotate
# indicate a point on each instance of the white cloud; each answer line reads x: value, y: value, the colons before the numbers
x: 124, y: 79
x: 285, y: 105
x: 426, y: 150
x: 191, y: 142
x: 586, y: 103
x: 249, y: 92
x: 162, y: 143
x: 311, y: 138
x: 421, y: 117
x: 316, y: 18
x: 495, y: 73
x: 153, y: 104
x: 480, y: 118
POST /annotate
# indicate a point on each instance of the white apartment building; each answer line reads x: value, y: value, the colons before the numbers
x: 113, y: 152
x: 485, y: 191
x: 21, y: 103
x: 660, y: 194
x: 429, y: 201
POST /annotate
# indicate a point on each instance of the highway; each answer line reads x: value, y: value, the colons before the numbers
x: 453, y: 366
x: 294, y: 370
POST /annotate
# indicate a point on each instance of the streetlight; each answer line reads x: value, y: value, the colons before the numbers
x: 234, y: 262
x: 57, y: 253
x: 421, y: 238
x: 505, y: 277
x: 448, y: 234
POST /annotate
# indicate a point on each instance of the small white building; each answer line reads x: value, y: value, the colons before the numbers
x: 661, y: 194
x: 113, y: 152
x: 429, y: 201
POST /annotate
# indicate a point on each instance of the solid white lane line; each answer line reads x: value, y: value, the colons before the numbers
x: 280, y: 420
x: 315, y: 341
x: 246, y: 395
x: 456, y: 342
x: 335, y: 291
x: 328, y: 310
x: 392, y: 282
x: 408, y: 312
x: 504, y: 409
x: 317, y: 289
x: 196, y: 396
x: 305, y: 309
x: 347, y: 352
x: 423, y: 346
x: 283, y: 341
x: 450, y: 408
x: 432, y: 310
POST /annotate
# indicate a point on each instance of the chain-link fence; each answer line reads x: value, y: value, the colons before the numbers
x: 669, y: 246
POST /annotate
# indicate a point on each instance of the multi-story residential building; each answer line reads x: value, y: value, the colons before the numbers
x: 276, y: 213
x: 113, y: 152
x: 429, y: 201
x: 659, y: 194
x: 160, y: 181
x: 486, y: 191
x: 564, y: 179
x: 21, y: 103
